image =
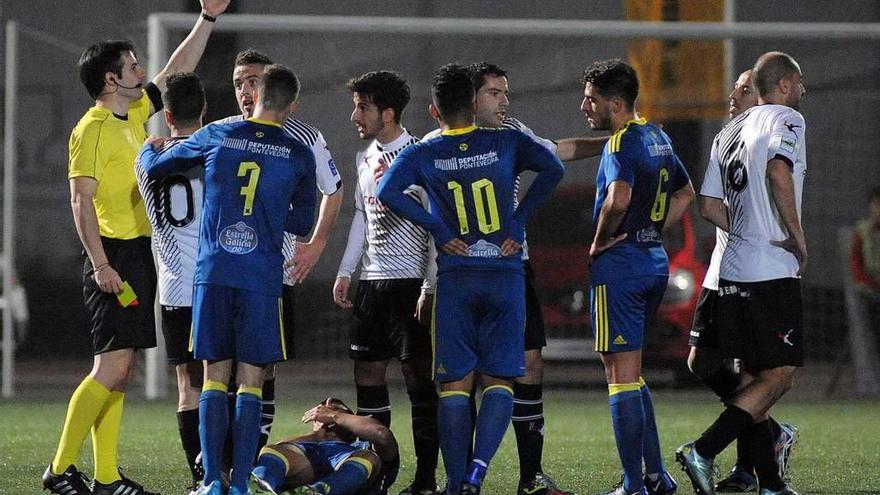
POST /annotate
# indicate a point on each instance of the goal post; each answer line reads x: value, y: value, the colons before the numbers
x: 161, y: 26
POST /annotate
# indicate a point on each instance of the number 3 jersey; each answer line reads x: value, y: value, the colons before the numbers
x: 174, y: 208
x: 737, y: 174
x: 259, y: 183
x: 470, y: 175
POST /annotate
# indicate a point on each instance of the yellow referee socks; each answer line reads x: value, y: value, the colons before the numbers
x: 83, y: 409
x: 105, y: 439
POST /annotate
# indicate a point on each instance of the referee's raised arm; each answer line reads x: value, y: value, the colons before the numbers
x: 189, y: 52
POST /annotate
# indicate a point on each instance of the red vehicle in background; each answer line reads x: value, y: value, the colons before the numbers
x: 559, y: 241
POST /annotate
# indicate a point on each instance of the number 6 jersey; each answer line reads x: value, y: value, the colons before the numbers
x: 259, y: 183
x: 174, y: 208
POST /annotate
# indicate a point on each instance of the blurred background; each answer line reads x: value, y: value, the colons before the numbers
x: 684, y: 87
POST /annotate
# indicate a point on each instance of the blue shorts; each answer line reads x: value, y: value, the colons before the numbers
x: 479, y: 324
x: 232, y: 323
x: 325, y: 457
x: 621, y: 311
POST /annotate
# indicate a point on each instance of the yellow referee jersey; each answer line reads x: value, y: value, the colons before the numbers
x: 104, y: 147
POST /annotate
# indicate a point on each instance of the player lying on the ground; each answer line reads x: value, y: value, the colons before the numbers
x: 344, y: 454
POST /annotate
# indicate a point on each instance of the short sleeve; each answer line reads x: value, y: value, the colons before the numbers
x: 786, y: 137
x: 512, y: 123
x: 327, y: 176
x: 623, y: 159
x: 713, y: 187
x: 532, y: 154
x: 86, y: 157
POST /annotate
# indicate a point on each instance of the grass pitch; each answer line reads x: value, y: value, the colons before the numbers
x: 838, y: 452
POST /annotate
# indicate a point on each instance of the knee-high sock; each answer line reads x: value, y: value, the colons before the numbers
x: 761, y: 446
x: 188, y: 428
x: 372, y: 400
x: 272, y: 467
x: 628, y: 419
x: 528, y: 424
x: 105, y: 439
x: 351, y: 476
x: 730, y: 424
x: 85, y: 404
x: 213, y: 425
x: 267, y: 416
x: 246, y: 435
x: 651, y: 447
x: 424, y: 429
x: 454, y: 425
x: 744, y: 453
x: 493, y: 419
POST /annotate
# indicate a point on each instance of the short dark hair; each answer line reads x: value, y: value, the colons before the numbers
x: 99, y: 59
x: 385, y: 89
x: 613, y: 78
x: 184, y: 97
x: 252, y: 56
x: 874, y: 194
x: 334, y: 403
x: 771, y: 68
x: 452, y: 91
x: 278, y: 87
x: 479, y: 71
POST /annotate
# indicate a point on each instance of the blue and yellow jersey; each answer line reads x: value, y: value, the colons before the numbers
x: 641, y: 155
x: 259, y: 182
x: 470, y: 175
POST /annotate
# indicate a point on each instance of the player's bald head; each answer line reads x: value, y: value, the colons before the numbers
x: 771, y: 68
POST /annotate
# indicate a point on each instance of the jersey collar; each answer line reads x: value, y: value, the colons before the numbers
x: 459, y: 131
x: 264, y: 122
x: 396, y: 144
x: 638, y: 121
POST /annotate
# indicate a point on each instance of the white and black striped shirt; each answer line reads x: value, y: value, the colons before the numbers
x: 737, y: 174
x: 174, y: 208
x: 388, y: 246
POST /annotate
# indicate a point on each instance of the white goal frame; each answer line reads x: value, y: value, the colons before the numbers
x: 159, y: 25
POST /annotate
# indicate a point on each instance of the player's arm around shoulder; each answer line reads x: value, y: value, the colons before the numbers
x: 184, y: 156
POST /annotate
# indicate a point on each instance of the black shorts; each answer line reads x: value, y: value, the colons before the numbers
x: 535, y: 337
x: 112, y: 326
x: 287, y: 320
x: 384, y: 323
x: 761, y: 323
x: 177, y: 329
x: 704, y: 331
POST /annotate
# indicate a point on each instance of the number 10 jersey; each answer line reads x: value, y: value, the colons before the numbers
x: 174, y: 208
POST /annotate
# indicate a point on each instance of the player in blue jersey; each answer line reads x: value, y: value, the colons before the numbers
x: 641, y: 187
x: 259, y: 182
x: 469, y: 175
x: 344, y: 454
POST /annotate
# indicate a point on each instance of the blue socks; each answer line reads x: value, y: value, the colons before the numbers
x: 213, y: 424
x: 454, y: 425
x: 651, y: 446
x: 496, y: 407
x: 271, y: 468
x: 246, y: 434
x: 628, y: 418
x: 349, y: 478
